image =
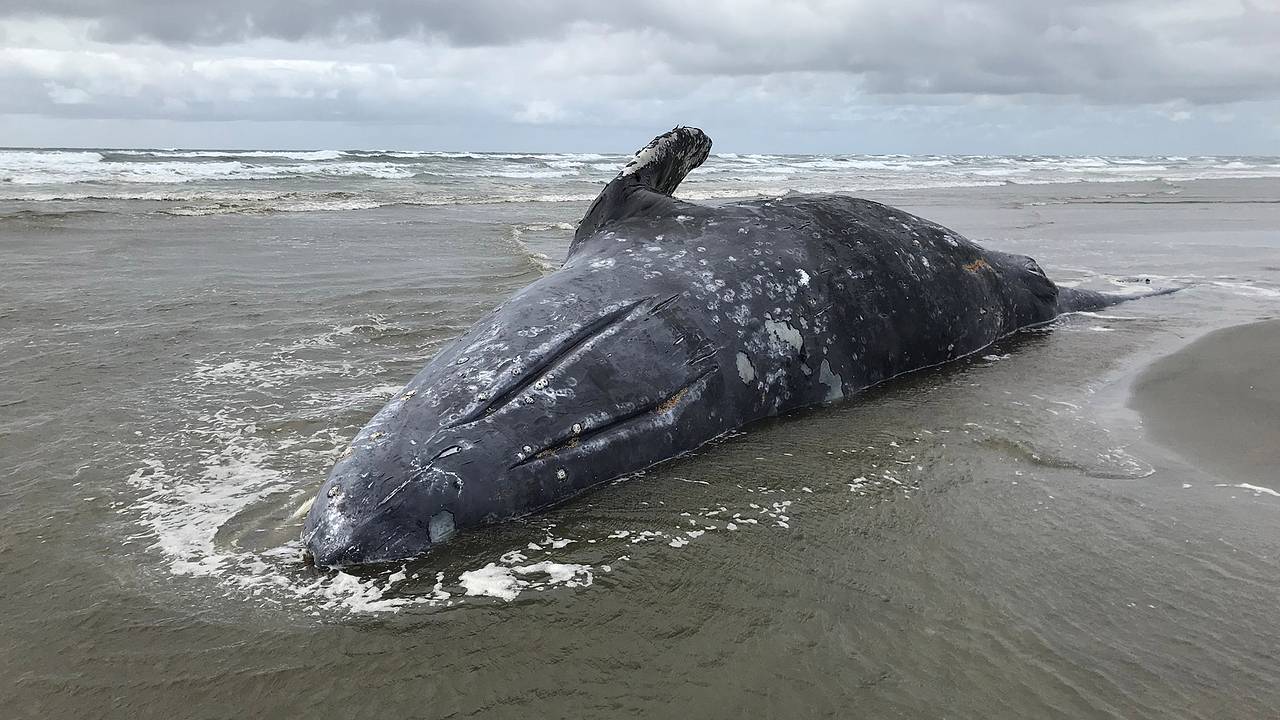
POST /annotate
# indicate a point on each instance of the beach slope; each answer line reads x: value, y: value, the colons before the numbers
x: 1217, y: 402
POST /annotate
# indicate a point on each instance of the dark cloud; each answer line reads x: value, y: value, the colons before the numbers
x: 807, y: 73
x: 1106, y: 51
x: 477, y: 22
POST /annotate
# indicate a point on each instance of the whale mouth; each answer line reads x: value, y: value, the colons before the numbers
x: 325, y: 550
x: 340, y: 533
x: 347, y: 528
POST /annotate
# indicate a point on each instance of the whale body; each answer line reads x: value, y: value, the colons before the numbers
x: 669, y: 324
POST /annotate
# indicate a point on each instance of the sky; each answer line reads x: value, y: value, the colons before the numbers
x: 1084, y: 77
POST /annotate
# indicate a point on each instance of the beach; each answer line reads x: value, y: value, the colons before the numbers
x: 1217, y: 402
x: 1078, y: 523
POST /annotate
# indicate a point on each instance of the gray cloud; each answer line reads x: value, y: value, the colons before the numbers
x: 811, y: 65
x: 1108, y: 51
x: 481, y: 22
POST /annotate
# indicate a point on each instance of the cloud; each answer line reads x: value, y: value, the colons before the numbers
x: 1201, y: 51
x: 537, y: 112
x: 811, y: 64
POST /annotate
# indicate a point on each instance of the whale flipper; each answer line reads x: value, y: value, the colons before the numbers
x: 667, y: 159
x: 1078, y: 300
x: 647, y: 181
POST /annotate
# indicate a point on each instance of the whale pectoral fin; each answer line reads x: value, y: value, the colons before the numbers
x: 647, y: 181
x: 1079, y: 300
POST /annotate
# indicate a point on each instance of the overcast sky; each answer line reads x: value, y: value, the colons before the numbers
x: 910, y: 76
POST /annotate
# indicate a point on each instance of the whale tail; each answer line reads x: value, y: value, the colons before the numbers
x: 1076, y: 300
x: 649, y: 178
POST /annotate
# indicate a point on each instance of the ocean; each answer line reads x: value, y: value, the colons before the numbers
x: 189, y: 338
x: 217, y: 182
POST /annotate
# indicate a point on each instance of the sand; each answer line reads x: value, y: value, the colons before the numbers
x: 1217, y: 402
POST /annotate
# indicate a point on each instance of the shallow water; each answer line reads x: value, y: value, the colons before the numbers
x: 992, y: 539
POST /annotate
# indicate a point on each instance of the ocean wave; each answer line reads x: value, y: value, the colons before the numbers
x: 526, y: 174
x: 539, y: 260
x: 202, y: 202
x: 266, y: 201
x: 49, y: 216
x: 136, y: 155
x: 210, y: 182
x: 300, y: 205
x: 83, y: 170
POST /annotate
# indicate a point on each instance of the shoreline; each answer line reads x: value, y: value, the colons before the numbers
x: 1215, y: 402
x: 195, y: 200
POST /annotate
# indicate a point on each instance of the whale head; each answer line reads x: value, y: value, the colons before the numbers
x: 545, y: 398
x: 572, y: 382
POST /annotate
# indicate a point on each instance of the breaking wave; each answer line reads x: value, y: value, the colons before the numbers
x: 234, y: 181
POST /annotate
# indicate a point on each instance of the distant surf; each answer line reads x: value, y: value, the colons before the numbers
x: 204, y: 182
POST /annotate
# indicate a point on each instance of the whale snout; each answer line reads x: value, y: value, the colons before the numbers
x: 492, y: 430
x: 369, y: 513
x: 340, y: 532
x: 338, y: 550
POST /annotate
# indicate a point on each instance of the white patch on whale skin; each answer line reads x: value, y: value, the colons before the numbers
x: 603, y: 264
x: 835, y: 386
x: 804, y: 277
x: 784, y: 332
x: 745, y: 370
x: 648, y: 154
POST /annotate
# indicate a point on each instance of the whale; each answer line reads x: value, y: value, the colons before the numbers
x: 669, y: 324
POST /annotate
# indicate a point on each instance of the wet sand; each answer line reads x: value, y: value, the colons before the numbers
x: 1217, y: 402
